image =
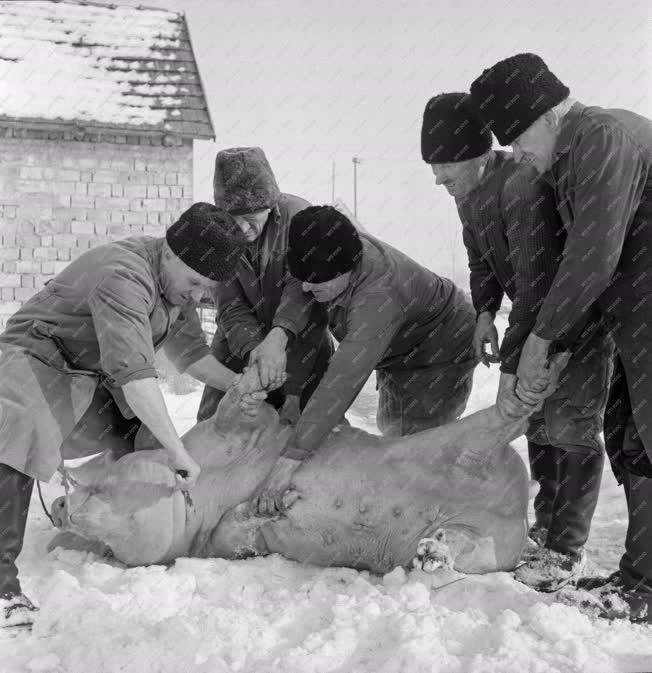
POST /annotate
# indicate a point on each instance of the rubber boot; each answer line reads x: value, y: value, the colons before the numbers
x: 543, y: 469
x: 15, y: 493
x: 563, y: 559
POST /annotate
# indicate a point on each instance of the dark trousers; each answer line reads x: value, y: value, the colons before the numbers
x: 15, y: 493
x: 632, y: 468
x: 569, y: 487
x: 413, y: 400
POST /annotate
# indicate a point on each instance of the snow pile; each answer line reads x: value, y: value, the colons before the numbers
x: 270, y: 615
x: 55, y: 61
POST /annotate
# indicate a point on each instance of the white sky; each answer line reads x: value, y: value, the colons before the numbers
x: 316, y: 81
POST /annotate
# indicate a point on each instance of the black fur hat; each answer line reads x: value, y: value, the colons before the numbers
x: 452, y: 131
x: 322, y: 244
x: 514, y: 93
x: 207, y: 240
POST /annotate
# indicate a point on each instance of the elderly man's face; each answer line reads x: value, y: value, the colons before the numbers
x: 251, y: 224
x: 180, y: 284
x: 331, y: 289
x: 536, y: 145
x: 459, y: 178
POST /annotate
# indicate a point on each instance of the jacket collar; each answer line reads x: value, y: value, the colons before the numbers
x: 567, y: 131
x: 354, y: 280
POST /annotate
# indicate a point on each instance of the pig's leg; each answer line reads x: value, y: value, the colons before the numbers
x: 433, y: 553
x: 458, y: 548
x: 238, y: 535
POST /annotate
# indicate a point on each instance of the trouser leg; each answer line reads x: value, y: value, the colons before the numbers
x: 15, y: 493
x: 543, y: 469
x: 579, y: 476
x: 636, y: 562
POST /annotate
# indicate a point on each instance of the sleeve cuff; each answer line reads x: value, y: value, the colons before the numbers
x: 120, y: 379
x: 544, y: 332
x: 244, y: 351
x: 286, y: 325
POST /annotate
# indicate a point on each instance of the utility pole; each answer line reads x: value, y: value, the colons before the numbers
x: 333, y: 183
x: 356, y: 161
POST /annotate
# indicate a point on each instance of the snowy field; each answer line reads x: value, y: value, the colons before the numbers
x: 270, y: 615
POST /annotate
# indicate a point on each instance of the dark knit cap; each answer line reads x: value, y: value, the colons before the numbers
x: 514, y: 93
x: 322, y: 244
x: 243, y: 181
x: 206, y: 239
x: 452, y: 131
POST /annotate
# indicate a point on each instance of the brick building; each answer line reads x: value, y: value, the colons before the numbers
x: 97, y: 124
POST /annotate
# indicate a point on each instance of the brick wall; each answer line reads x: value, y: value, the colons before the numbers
x: 62, y: 193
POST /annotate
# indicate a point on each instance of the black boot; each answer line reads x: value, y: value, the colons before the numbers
x: 15, y: 494
x: 563, y: 559
x: 543, y: 469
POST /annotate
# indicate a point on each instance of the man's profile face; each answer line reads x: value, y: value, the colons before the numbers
x: 329, y: 290
x: 182, y: 285
x: 251, y: 224
x: 460, y: 177
x: 536, y: 145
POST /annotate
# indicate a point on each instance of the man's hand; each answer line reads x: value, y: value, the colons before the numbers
x: 249, y: 387
x: 485, y: 333
x: 250, y: 403
x: 184, y: 467
x: 544, y: 387
x: 509, y: 406
x: 270, y: 358
x: 269, y: 501
x: 532, y: 373
x: 291, y: 410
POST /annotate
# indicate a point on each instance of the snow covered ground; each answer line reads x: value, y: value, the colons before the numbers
x: 268, y: 614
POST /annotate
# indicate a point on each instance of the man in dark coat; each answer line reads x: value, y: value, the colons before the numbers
x: 599, y: 163
x: 264, y: 319
x: 388, y: 314
x: 514, y: 239
x: 98, y: 324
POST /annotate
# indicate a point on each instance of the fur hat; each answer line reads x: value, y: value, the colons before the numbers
x: 322, y: 244
x: 243, y: 181
x: 452, y: 131
x: 514, y: 93
x: 206, y: 239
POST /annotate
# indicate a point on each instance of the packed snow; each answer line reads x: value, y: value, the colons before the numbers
x: 269, y: 614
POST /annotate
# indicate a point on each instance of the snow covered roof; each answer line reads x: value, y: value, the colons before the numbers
x: 95, y: 65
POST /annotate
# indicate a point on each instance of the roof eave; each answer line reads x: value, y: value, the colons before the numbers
x: 199, y: 77
x: 41, y: 124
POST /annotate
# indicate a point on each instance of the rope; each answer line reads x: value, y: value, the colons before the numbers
x: 66, y: 485
x: 45, y: 509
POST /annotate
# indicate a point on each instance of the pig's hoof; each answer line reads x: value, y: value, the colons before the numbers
x: 433, y: 553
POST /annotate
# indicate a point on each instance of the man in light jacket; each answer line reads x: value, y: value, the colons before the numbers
x: 98, y: 324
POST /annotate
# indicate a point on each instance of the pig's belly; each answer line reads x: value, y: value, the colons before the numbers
x: 480, y: 541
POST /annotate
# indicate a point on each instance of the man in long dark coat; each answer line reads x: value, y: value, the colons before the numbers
x: 599, y: 162
x: 264, y: 319
x: 514, y: 239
